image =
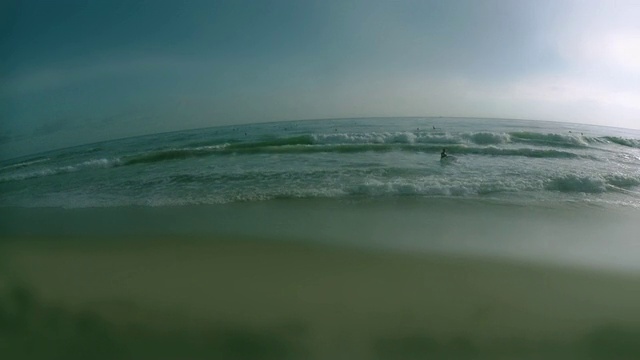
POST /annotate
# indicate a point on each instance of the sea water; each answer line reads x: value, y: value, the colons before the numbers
x: 515, y: 162
x: 533, y: 190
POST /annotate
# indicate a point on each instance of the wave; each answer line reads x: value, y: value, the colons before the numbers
x: 526, y: 152
x: 462, y: 144
x: 622, y: 181
x: 474, y: 138
x: 480, y: 143
x: 564, y: 184
x: 487, y: 138
x: 355, y: 148
x: 468, y: 143
x: 49, y: 171
x: 572, y: 140
x: 220, y: 149
x: 403, y: 137
x: 224, y: 188
x: 169, y: 154
x: 545, y: 139
x: 343, y: 143
x: 400, y: 137
x: 24, y: 164
x: 559, y: 140
x: 574, y: 183
x: 422, y: 187
x: 477, y: 138
x: 590, y: 184
x: 634, y: 143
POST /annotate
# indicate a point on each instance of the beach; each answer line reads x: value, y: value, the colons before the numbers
x: 227, y: 298
x: 208, y: 294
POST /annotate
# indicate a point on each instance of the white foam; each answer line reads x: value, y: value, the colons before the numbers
x: 24, y: 164
x: 575, y: 183
x: 487, y: 138
x: 403, y: 137
x: 42, y: 172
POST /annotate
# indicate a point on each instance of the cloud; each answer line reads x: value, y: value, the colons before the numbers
x: 560, y: 98
x: 611, y: 55
x: 53, y: 126
x: 554, y: 89
x: 51, y: 78
x: 596, y: 36
x: 5, y: 137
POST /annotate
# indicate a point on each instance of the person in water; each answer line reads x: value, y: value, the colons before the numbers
x: 443, y: 154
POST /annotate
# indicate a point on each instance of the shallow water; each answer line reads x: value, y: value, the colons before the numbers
x: 568, y: 234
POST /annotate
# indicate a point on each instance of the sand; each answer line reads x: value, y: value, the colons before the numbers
x: 263, y: 298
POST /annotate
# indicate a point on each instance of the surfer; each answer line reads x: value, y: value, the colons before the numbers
x: 443, y: 154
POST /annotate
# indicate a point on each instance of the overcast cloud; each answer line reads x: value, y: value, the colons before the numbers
x: 82, y: 71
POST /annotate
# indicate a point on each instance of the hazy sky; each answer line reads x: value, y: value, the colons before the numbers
x: 81, y: 71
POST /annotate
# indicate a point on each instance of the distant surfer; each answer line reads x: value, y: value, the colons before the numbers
x: 443, y: 154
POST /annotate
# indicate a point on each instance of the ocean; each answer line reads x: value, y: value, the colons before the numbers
x: 327, y: 239
x: 511, y: 161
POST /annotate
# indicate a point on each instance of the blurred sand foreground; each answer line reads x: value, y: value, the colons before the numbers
x: 260, y: 299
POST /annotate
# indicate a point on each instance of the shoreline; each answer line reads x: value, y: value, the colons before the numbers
x: 289, y: 279
x: 567, y: 235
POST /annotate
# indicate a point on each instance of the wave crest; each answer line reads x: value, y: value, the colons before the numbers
x: 549, y: 139
x: 487, y: 138
x: 591, y: 184
x: 624, y: 142
x: 573, y: 183
x: 49, y: 171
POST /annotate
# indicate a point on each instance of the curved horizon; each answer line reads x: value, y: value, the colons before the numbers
x: 51, y: 149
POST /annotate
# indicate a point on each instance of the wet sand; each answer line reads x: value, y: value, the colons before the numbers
x: 245, y: 298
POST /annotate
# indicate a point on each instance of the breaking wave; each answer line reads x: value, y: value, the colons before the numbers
x: 590, y: 184
x: 634, y: 143
x: 222, y: 167
x: 574, y: 183
x: 479, y: 143
x: 487, y: 138
x: 24, y: 164
x: 549, y: 139
x: 274, y: 148
x: 49, y: 171
x: 354, y: 143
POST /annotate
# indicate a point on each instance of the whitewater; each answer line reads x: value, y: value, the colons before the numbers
x: 509, y: 161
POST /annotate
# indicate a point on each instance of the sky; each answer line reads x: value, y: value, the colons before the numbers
x: 75, y: 72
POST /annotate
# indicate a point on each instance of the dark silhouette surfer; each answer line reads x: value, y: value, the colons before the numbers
x: 443, y: 154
